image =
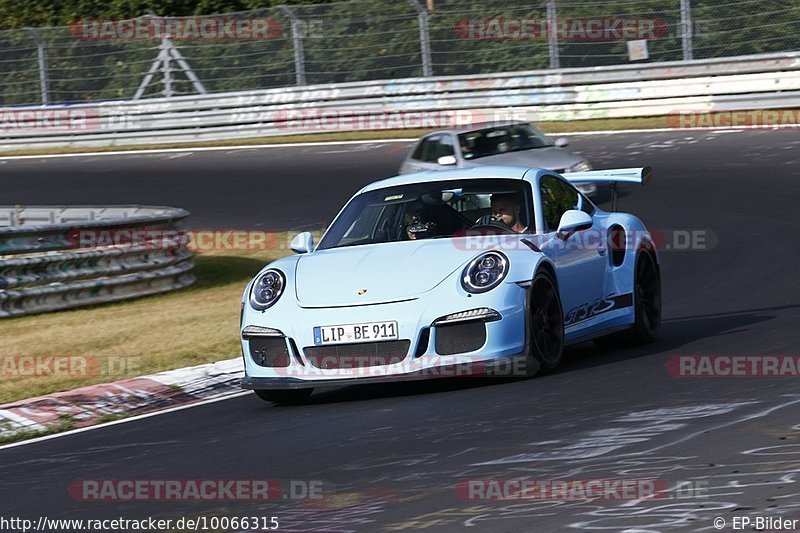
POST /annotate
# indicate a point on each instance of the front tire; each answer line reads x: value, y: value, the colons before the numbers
x: 546, y: 329
x: 287, y: 397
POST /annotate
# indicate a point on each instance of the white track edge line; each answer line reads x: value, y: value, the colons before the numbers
x: 124, y: 420
x: 198, y: 149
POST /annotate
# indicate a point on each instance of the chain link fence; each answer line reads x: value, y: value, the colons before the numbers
x: 360, y: 40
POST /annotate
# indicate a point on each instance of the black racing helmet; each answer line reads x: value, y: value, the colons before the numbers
x: 418, y: 223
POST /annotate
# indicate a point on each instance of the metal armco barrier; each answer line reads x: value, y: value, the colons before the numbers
x: 61, y: 257
x: 728, y: 84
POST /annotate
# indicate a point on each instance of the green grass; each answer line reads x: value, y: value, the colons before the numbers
x: 63, y: 425
x: 552, y: 127
x: 188, y: 327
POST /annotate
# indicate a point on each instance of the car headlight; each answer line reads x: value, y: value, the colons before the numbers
x: 583, y: 166
x: 485, y: 272
x: 266, y: 289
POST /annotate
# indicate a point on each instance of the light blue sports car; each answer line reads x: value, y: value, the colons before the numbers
x: 488, y: 270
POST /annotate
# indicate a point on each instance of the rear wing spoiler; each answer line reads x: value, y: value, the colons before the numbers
x: 612, y: 176
x: 615, y: 175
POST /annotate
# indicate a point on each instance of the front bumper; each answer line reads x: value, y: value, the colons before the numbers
x: 425, y: 357
x: 508, y: 367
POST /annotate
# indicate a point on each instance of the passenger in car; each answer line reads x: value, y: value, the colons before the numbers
x: 506, y: 209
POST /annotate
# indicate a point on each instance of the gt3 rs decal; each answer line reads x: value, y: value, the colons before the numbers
x: 600, y: 306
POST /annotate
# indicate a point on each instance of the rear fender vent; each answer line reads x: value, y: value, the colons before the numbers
x: 616, y: 245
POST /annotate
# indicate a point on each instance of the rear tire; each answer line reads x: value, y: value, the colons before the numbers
x: 647, y: 306
x: 288, y: 397
x: 546, y: 329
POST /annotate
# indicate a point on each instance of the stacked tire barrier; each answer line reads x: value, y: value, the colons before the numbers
x: 767, y: 81
x: 55, y: 258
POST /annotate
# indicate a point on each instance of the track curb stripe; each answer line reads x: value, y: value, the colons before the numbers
x: 92, y: 405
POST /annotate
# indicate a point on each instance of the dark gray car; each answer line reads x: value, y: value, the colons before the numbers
x: 510, y: 143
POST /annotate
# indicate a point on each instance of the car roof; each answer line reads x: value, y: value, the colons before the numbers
x: 477, y: 127
x: 483, y: 172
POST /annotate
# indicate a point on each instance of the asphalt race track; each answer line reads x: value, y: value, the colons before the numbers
x: 390, y: 457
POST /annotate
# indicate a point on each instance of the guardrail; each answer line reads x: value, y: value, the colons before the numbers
x: 55, y: 258
x: 739, y: 83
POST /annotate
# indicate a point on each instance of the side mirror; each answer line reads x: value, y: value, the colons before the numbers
x: 572, y: 221
x: 447, y: 160
x: 302, y: 243
x: 562, y: 142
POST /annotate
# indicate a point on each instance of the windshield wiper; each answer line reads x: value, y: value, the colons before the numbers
x: 357, y: 243
x: 530, y: 148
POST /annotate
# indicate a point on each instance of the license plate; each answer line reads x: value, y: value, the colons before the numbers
x: 347, y: 333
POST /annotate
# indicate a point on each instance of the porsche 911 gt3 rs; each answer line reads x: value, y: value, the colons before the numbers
x: 443, y: 273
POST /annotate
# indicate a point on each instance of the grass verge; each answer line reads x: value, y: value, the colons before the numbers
x: 552, y: 128
x: 63, y: 425
x: 548, y: 127
x: 128, y: 339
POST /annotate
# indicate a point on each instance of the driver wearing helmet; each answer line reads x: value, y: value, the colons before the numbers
x: 419, y: 226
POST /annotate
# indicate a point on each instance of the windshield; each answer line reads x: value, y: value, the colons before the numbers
x: 499, y: 140
x: 423, y: 211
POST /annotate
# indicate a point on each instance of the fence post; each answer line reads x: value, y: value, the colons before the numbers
x: 41, y: 56
x: 424, y: 38
x: 167, y: 52
x: 686, y: 29
x: 166, y: 68
x: 552, y: 33
x: 297, y: 39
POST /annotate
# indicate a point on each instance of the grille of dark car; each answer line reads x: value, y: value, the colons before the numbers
x: 269, y: 351
x: 460, y: 338
x: 357, y: 355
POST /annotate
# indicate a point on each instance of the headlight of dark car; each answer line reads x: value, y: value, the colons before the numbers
x: 485, y: 272
x: 266, y: 289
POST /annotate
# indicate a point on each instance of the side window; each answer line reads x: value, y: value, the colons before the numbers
x: 446, y: 146
x: 430, y: 152
x: 586, y: 206
x: 418, y: 150
x: 558, y: 197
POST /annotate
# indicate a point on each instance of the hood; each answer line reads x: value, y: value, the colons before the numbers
x: 551, y: 158
x: 388, y: 272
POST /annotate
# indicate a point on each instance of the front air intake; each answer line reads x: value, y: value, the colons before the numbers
x: 269, y: 351
x: 357, y: 355
x: 460, y: 338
